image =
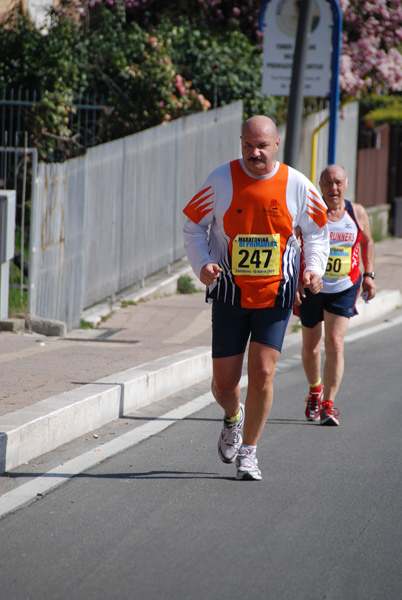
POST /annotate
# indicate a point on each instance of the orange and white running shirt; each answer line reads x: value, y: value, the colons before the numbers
x: 245, y: 223
x: 343, y: 268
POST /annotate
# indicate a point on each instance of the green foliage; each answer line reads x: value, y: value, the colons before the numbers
x: 85, y: 324
x: 50, y: 122
x: 372, y: 102
x: 20, y: 44
x: 119, y: 61
x: 17, y: 304
x: 17, y: 296
x: 126, y: 303
x: 215, y: 16
x: 185, y: 285
x: 377, y: 227
x: 36, y: 60
x: 145, y: 75
x: 17, y: 293
x: 389, y: 112
x: 224, y: 66
x: 296, y: 327
x: 134, y: 71
x: 376, y: 109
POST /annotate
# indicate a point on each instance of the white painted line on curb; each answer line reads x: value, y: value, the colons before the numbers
x: 40, y: 485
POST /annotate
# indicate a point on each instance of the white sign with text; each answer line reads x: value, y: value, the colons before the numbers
x: 280, y: 21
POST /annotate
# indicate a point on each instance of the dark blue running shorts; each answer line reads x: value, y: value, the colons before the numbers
x: 232, y: 326
x: 311, y: 310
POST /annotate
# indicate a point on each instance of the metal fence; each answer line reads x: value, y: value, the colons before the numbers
x: 17, y: 110
x: 18, y: 157
x: 106, y: 220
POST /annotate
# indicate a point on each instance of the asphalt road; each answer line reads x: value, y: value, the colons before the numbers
x: 165, y: 519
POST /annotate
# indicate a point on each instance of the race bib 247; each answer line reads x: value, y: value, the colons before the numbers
x: 255, y: 254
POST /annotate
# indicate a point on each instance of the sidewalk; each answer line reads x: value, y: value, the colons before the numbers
x: 56, y: 389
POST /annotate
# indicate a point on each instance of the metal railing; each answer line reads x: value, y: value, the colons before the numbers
x: 19, y: 157
x: 85, y: 120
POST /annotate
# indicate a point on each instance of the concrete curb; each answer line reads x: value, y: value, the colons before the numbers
x: 33, y: 431
x: 384, y: 302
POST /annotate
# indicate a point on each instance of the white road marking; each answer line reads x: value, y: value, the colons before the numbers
x: 40, y: 485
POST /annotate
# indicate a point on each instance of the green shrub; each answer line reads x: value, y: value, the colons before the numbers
x: 185, y: 285
x: 85, y: 324
x: 128, y: 67
x: 224, y: 67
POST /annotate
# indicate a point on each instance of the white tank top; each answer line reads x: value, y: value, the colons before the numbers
x: 343, y: 268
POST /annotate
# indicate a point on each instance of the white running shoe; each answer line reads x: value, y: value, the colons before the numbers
x: 247, y: 465
x: 231, y: 439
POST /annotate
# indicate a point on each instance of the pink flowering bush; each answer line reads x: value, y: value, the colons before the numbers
x: 151, y: 91
x: 371, y: 47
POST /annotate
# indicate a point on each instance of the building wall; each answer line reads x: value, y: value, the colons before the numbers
x: 36, y: 8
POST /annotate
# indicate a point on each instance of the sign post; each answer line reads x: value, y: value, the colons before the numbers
x: 295, y: 107
x: 279, y: 22
x: 334, y: 96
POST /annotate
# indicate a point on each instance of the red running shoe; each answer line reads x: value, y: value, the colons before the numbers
x: 329, y: 414
x: 313, y: 407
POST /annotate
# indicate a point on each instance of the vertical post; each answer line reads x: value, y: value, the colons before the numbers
x: 7, y: 234
x: 33, y: 260
x: 4, y: 286
x: 334, y: 94
x: 4, y: 267
x: 23, y: 203
x: 295, y: 109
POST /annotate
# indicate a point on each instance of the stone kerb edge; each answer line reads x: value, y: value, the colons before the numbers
x: 31, y: 432
x: 384, y: 302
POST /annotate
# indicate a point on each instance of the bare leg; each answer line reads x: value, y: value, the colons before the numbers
x: 311, y: 352
x: 225, y: 383
x: 335, y: 329
x: 261, y: 370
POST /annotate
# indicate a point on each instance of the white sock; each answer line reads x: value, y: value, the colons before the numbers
x: 249, y: 449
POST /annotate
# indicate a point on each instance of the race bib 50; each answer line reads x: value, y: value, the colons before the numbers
x: 339, y: 262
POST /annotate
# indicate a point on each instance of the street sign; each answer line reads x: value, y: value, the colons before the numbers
x: 279, y: 25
